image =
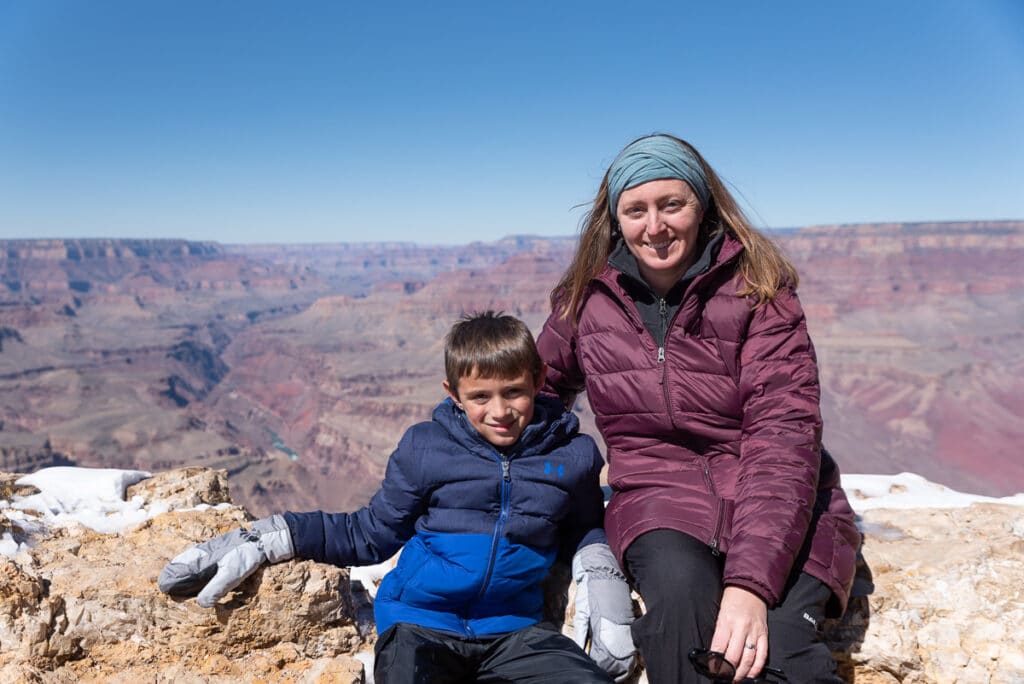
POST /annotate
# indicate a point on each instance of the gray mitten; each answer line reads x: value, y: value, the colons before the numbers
x: 215, y: 567
x: 604, y: 610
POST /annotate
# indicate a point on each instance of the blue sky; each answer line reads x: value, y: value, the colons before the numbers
x: 450, y: 122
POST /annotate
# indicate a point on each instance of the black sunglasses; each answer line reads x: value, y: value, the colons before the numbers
x: 715, y: 667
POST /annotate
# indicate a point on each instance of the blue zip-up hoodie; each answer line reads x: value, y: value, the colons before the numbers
x: 481, y: 528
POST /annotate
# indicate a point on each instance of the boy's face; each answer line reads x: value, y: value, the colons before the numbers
x: 498, y: 408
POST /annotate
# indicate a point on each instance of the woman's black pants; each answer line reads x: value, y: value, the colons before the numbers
x: 680, y: 581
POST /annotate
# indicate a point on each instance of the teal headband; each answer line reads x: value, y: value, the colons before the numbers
x: 654, y: 158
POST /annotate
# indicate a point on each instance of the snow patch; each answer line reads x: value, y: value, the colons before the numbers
x: 907, y: 490
x: 92, y: 497
x: 77, y: 486
x: 370, y: 576
x: 367, y: 659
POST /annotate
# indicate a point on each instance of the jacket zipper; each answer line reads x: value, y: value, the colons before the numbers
x: 663, y: 317
x: 721, y: 505
x: 663, y: 379
x: 506, y: 505
x: 718, y: 529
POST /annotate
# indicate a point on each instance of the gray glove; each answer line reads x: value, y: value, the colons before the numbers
x: 215, y: 567
x: 604, y: 610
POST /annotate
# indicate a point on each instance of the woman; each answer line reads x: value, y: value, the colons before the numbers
x: 682, y: 324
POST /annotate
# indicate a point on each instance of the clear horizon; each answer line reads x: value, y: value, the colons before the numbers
x: 470, y: 121
x: 428, y: 243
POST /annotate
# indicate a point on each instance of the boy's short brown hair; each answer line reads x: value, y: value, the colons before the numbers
x: 492, y: 344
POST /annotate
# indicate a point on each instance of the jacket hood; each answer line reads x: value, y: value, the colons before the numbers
x: 552, y: 425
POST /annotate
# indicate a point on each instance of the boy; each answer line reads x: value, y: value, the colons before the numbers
x: 482, y: 497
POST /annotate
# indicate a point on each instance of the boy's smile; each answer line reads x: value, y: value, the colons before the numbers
x: 498, y: 408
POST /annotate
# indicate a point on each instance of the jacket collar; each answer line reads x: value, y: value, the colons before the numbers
x: 552, y: 425
x: 720, y: 248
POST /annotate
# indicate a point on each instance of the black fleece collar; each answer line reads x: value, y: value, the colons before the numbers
x: 657, y: 312
x: 622, y: 260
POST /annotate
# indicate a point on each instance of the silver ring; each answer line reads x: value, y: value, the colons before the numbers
x: 751, y: 646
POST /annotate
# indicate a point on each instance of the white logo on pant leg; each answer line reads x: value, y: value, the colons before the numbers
x: 811, y: 620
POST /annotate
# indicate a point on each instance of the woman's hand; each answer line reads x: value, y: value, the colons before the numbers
x: 742, y: 622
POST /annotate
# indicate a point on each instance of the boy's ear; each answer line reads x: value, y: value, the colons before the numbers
x: 455, y: 397
x: 542, y: 374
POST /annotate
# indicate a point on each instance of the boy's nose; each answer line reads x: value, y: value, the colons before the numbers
x: 502, y: 408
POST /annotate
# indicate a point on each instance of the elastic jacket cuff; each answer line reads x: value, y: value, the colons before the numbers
x: 275, y: 538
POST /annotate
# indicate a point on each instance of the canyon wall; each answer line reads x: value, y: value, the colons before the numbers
x: 296, y: 367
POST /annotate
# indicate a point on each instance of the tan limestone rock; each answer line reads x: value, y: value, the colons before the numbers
x: 948, y: 598
x: 84, y: 606
x: 184, y: 487
x: 940, y: 599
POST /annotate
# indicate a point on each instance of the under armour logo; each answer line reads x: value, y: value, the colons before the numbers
x: 549, y: 469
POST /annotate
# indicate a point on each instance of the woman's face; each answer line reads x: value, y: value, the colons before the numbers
x: 659, y: 221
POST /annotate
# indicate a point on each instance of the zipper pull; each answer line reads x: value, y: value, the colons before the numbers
x: 663, y: 313
x: 714, y: 547
x: 505, y: 474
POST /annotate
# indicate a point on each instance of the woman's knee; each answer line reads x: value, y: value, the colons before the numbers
x: 680, y: 582
x: 670, y: 565
x: 795, y: 638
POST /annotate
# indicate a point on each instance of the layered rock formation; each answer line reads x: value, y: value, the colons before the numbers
x: 296, y: 367
x: 939, y: 599
x: 358, y: 269
x: 919, y: 331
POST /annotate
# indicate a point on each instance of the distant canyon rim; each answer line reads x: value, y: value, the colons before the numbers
x: 296, y: 367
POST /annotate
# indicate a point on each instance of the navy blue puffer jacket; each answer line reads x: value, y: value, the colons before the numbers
x: 481, y: 528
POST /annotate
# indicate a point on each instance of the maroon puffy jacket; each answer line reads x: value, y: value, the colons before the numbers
x: 721, y: 439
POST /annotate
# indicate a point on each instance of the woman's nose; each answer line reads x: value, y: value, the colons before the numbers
x: 654, y: 223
